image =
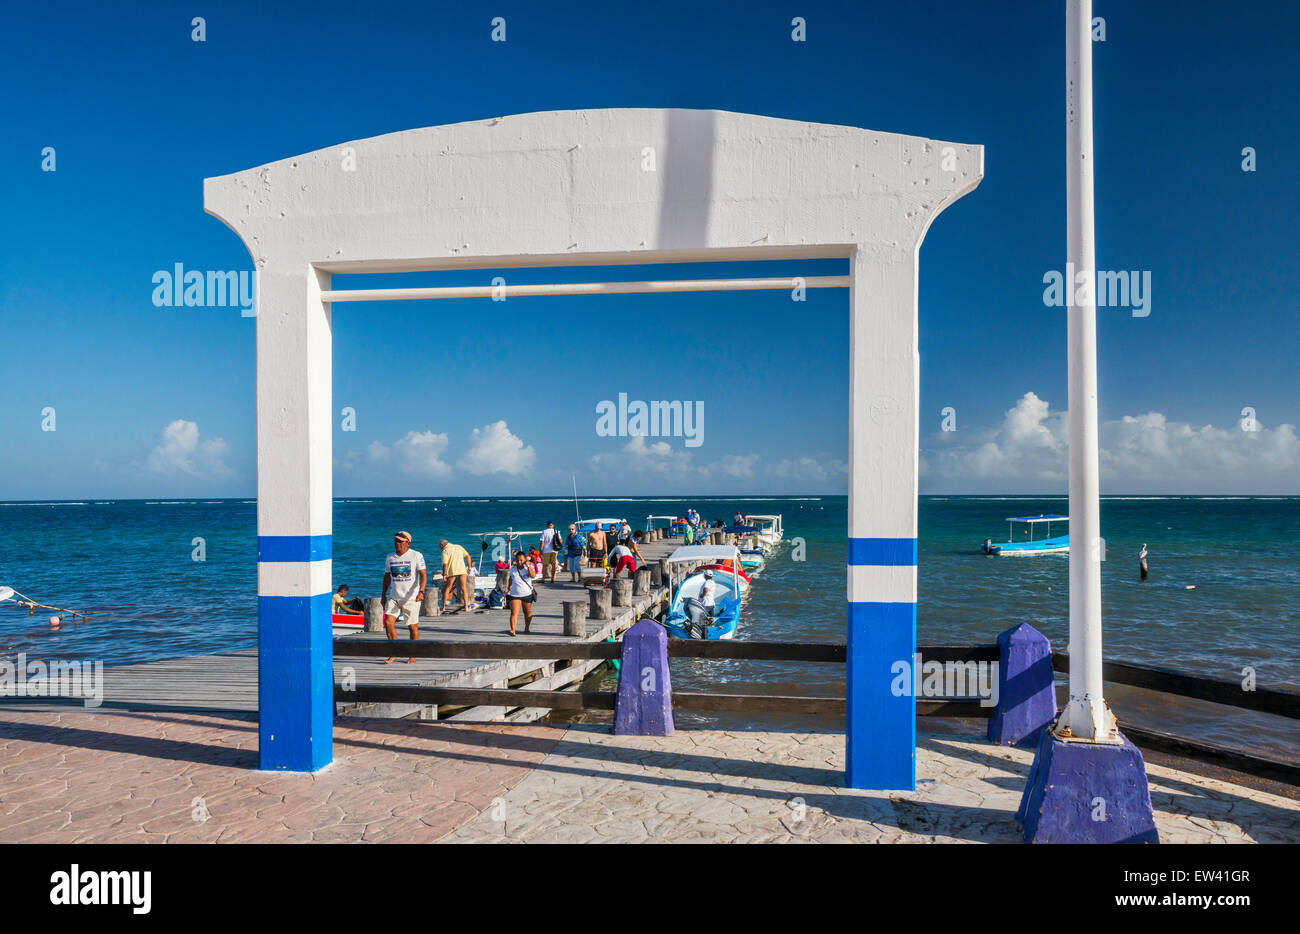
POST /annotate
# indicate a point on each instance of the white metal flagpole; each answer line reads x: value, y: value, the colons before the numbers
x: 1086, y: 717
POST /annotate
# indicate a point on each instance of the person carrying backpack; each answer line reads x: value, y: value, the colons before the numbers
x: 573, y: 546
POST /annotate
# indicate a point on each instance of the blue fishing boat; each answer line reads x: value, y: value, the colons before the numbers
x: 726, y: 615
x: 751, y: 548
x: 1026, y: 544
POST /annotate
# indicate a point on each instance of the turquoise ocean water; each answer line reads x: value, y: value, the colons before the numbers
x: 1242, y: 555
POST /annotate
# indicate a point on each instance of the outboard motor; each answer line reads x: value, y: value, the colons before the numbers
x: 988, y: 547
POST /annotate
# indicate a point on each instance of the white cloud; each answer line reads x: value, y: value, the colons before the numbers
x: 738, y: 465
x: 181, y: 451
x: 417, y: 454
x: 1139, y: 453
x: 640, y: 460
x: 495, y: 449
x: 1150, y: 449
x: 807, y: 469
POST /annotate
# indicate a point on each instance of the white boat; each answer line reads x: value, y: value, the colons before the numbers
x: 1028, y: 546
x: 589, y: 525
x: 770, y: 530
x: 670, y: 524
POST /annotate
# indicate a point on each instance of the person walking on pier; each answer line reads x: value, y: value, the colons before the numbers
x: 455, y: 570
x: 522, y: 594
x: 573, y: 546
x: 596, y: 546
x: 550, y: 552
x: 405, y: 573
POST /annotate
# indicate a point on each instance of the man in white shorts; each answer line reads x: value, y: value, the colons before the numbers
x: 404, y: 570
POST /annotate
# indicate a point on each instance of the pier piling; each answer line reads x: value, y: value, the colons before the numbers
x: 575, y: 618
x: 374, y: 610
x: 600, y: 606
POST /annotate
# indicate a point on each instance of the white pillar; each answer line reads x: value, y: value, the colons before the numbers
x: 294, y: 520
x: 1086, y: 717
x: 884, y: 381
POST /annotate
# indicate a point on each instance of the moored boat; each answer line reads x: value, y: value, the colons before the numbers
x: 726, y: 567
x: 726, y: 616
x: 770, y: 531
x: 1030, y: 546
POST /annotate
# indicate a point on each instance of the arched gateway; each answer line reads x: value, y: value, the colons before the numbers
x: 587, y: 188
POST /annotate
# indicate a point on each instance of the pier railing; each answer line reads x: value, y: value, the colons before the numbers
x: 1230, y: 693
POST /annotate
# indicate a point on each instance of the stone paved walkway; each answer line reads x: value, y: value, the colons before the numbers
x: 114, y: 776
x: 724, y: 787
x: 117, y: 777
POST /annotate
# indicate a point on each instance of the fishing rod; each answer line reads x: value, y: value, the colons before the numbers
x: 8, y: 593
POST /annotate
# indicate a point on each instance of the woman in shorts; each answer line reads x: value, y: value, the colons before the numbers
x: 521, y: 594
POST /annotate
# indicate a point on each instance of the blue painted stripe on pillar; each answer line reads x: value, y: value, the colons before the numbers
x: 881, y: 727
x: 294, y: 547
x: 889, y: 552
x: 295, y: 683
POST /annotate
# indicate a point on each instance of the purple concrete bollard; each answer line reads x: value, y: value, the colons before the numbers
x: 1087, y: 793
x: 645, y: 698
x: 1026, y: 690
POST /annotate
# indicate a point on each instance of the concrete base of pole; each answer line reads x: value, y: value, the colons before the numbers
x: 1087, y: 793
x: 429, y: 607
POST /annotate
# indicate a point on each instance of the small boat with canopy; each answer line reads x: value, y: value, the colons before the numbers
x: 1034, y: 538
x: 727, y: 593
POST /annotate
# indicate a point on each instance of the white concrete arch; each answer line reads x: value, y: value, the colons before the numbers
x: 591, y: 187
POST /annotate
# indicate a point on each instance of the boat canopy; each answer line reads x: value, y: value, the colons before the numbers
x: 1042, y: 518
x: 763, y: 518
x: 588, y: 524
x: 702, y: 553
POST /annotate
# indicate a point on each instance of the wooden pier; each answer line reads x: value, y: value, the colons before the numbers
x: 227, y: 681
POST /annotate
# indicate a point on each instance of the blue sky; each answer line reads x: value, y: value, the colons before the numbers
x: 160, y: 402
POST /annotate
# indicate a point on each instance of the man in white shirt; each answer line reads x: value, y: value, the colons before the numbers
x: 699, y: 609
x: 620, y: 557
x: 707, y: 591
x: 405, y: 573
x: 550, y: 549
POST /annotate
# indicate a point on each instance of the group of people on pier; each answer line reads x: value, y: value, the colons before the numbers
x: 406, y: 575
x: 615, y: 549
x: 695, y: 530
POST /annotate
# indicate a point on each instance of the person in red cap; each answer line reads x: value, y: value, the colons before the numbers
x: 405, y: 573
